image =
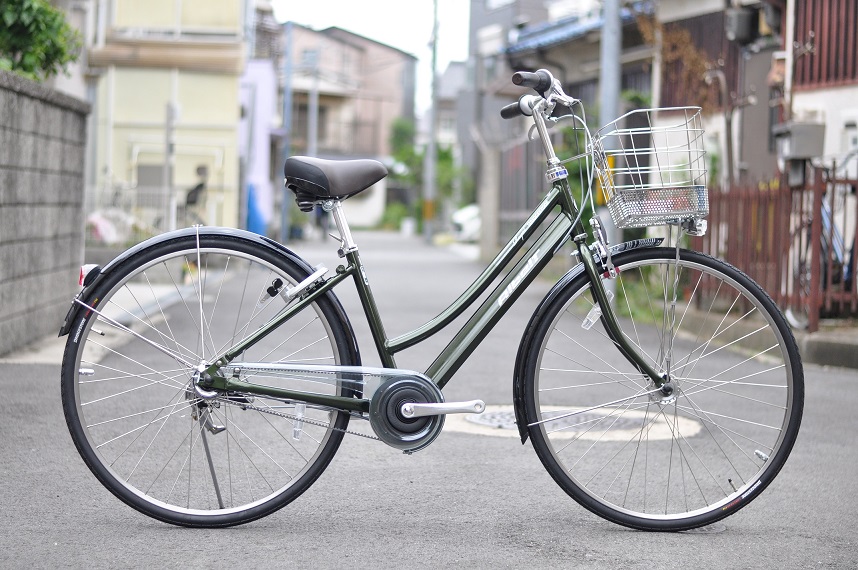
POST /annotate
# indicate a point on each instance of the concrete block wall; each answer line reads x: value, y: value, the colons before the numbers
x: 42, y: 149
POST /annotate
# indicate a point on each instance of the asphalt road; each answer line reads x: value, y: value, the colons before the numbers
x: 469, y: 501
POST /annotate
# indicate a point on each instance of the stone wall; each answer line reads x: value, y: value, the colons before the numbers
x: 42, y: 149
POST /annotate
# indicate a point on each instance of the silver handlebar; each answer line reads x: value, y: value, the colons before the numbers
x: 541, y: 109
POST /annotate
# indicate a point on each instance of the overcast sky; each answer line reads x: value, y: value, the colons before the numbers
x: 403, y: 24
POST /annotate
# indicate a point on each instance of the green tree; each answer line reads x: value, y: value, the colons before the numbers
x: 409, y: 169
x: 35, y: 39
x: 409, y: 162
x: 408, y: 173
x: 450, y: 176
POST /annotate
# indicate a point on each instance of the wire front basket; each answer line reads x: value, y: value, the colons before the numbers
x: 652, y: 168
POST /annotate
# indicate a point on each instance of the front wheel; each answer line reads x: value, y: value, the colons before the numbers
x: 128, y: 382
x: 621, y: 447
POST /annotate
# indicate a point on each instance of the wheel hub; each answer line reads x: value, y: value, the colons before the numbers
x: 666, y: 393
x: 201, y: 378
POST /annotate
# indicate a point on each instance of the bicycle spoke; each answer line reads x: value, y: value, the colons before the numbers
x: 642, y: 456
x: 142, y: 426
x: 157, y: 300
x: 149, y: 383
x: 133, y: 392
x: 126, y: 376
x: 589, y: 369
x: 155, y: 437
x: 123, y: 328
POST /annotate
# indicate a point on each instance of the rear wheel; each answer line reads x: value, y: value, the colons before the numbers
x: 621, y: 447
x: 128, y: 383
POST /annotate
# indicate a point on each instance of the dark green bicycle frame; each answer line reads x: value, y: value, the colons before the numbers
x: 559, y: 230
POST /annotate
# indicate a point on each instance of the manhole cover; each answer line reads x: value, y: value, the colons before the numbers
x: 505, y: 419
x: 499, y: 421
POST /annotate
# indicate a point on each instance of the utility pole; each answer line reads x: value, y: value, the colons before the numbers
x: 611, y: 46
x: 312, y: 63
x: 431, y: 156
x: 287, y: 127
x: 167, y: 171
x: 609, y: 97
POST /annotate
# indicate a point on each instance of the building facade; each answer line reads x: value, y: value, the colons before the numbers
x: 347, y: 91
x: 731, y: 59
x: 167, y: 110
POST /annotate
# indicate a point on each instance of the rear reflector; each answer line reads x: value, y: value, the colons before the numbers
x: 84, y: 271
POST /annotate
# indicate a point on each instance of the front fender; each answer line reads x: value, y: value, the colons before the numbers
x: 527, y: 338
x: 100, y: 273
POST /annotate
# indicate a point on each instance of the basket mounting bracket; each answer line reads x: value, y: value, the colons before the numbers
x: 603, y: 248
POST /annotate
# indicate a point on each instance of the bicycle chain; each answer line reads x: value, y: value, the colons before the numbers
x: 296, y: 418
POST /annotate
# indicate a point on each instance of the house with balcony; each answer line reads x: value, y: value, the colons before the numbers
x: 166, y: 110
x: 347, y: 91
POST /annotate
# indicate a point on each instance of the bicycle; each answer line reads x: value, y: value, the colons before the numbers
x: 834, y: 256
x: 184, y: 403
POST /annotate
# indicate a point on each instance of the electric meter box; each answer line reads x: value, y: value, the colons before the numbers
x: 799, y: 141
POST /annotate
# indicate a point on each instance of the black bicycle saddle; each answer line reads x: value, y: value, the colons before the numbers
x: 315, y: 179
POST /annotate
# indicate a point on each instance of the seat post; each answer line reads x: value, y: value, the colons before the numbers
x: 336, y: 209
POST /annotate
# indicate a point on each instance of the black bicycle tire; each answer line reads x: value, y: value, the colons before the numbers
x: 344, y: 341
x: 539, y: 327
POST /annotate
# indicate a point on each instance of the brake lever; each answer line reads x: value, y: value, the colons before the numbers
x: 559, y: 96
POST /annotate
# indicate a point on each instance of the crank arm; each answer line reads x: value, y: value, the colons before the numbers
x: 415, y: 410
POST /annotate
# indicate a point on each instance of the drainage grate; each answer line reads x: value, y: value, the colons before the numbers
x: 505, y: 419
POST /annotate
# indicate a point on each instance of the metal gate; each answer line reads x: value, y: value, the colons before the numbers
x: 797, y: 243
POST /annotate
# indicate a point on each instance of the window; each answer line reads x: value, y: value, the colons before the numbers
x: 301, y: 122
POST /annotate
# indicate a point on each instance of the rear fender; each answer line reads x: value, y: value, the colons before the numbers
x: 97, y: 275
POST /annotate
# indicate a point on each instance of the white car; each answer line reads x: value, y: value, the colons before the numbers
x: 466, y: 223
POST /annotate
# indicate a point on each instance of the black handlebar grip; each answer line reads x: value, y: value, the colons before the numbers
x: 511, y: 111
x: 540, y: 81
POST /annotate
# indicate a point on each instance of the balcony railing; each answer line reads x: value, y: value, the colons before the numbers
x: 343, y: 138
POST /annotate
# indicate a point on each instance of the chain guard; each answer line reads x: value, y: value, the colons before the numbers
x: 393, y: 428
x: 385, y: 417
x: 248, y: 406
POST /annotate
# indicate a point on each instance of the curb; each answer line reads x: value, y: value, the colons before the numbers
x: 829, y: 348
x: 824, y: 348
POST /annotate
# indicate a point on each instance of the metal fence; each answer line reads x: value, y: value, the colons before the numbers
x: 797, y: 243
x: 522, y: 186
x: 122, y: 216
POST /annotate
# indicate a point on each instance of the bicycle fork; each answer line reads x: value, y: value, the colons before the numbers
x: 661, y: 380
